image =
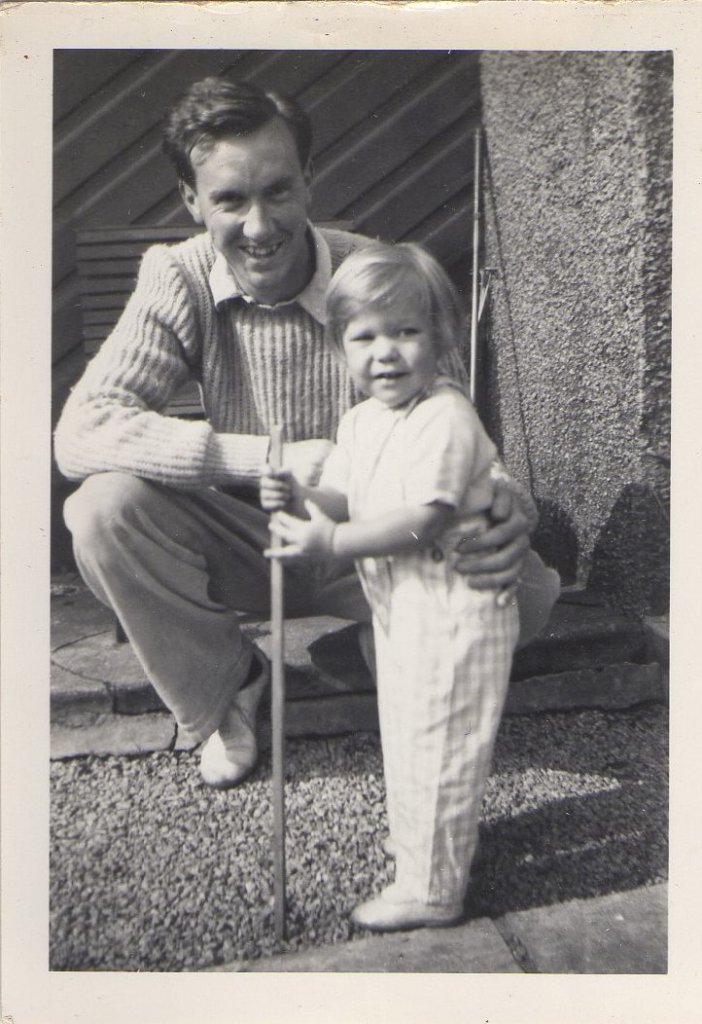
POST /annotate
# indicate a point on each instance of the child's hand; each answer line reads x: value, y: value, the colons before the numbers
x: 275, y: 489
x: 310, y: 538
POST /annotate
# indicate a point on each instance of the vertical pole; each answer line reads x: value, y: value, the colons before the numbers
x: 476, y: 270
x: 278, y: 714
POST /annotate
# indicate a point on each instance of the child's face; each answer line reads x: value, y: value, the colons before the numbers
x: 391, y: 353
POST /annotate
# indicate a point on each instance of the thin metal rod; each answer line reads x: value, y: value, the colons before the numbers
x: 476, y: 270
x: 278, y: 713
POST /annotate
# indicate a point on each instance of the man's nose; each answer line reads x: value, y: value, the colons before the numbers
x: 257, y: 224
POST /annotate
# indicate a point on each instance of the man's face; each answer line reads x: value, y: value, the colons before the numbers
x: 253, y: 197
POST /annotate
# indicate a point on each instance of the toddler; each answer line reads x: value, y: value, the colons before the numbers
x: 408, y: 462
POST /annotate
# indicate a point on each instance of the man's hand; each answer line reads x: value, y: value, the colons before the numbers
x: 491, y: 552
x: 305, y: 459
x: 303, y: 538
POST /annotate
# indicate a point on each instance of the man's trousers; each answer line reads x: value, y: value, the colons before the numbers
x: 177, y: 566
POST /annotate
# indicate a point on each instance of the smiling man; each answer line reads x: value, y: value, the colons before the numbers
x: 166, y: 527
x: 253, y: 196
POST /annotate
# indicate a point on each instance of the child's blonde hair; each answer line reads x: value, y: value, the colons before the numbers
x: 383, y: 275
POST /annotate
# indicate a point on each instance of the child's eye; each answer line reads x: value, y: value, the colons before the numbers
x: 364, y: 336
x: 408, y: 331
x: 279, y: 191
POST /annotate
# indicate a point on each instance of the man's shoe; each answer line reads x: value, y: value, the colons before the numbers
x: 391, y: 912
x: 230, y: 754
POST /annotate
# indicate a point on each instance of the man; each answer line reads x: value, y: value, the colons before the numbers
x: 166, y: 527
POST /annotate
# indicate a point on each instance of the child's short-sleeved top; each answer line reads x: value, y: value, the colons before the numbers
x: 433, y: 449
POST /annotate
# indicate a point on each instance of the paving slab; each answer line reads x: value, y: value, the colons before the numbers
x: 582, y: 632
x: 657, y: 629
x: 607, y: 688
x: 75, y: 612
x: 330, y: 716
x: 99, y: 657
x: 311, y: 719
x: 112, y: 734
x: 299, y: 634
x: 621, y: 933
x: 73, y: 695
x: 578, y: 638
x: 473, y: 948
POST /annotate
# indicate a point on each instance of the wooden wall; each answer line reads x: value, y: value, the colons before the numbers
x: 392, y: 153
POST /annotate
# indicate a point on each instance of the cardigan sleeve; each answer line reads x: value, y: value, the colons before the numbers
x: 114, y: 418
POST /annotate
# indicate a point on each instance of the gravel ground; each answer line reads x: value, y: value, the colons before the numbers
x: 152, y: 871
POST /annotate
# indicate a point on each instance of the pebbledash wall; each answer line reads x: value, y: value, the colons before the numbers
x: 577, y: 203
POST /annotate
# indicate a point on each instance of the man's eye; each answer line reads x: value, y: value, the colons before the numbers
x: 229, y: 203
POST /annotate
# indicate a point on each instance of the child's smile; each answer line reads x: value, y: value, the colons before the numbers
x: 390, y: 357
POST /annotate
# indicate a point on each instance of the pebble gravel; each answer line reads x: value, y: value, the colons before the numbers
x: 150, y: 870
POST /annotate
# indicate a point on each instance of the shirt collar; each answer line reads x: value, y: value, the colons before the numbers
x: 224, y: 285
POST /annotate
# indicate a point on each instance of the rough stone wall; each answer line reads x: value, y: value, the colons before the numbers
x: 578, y: 198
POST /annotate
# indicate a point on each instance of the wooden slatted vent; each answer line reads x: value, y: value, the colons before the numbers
x: 108, y: 261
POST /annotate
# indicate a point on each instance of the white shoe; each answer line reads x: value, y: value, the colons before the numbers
x: 389, y: 847
x: 391, y: 912
x: 230, y: 754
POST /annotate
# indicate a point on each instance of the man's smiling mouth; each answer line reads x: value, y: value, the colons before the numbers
x: 261, y: 252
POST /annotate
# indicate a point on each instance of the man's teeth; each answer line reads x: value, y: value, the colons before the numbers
x: 260, y: 252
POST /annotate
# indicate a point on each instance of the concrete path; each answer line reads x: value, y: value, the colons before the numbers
x: 622, y: 933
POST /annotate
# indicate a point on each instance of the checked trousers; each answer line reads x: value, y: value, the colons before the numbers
x: 443, y: 656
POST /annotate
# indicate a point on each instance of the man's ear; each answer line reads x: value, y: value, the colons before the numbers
x: 189, y: 197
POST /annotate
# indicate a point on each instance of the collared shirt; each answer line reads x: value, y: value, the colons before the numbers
x: 224, y: 284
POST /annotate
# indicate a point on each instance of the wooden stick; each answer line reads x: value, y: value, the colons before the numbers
x: 278, y: 712
x: 476, y: 264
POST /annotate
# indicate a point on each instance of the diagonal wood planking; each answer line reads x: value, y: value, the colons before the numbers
x: 393, y: 145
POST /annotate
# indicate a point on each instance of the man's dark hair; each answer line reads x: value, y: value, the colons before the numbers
x: 215, y: 107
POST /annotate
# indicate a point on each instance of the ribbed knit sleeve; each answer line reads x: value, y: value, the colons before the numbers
x: 113, y: 419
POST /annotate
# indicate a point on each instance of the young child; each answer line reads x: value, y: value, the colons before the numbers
x: 407, y: 462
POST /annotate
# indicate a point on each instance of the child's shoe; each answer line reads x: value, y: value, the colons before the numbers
x: 392, y: 911
x: 389, y: 847
x: 230, y: 754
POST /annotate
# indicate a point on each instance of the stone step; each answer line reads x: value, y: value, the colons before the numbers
x: 102, y: 703
x: 581, y: 634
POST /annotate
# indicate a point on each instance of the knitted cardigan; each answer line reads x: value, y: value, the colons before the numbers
x: 256, y: 366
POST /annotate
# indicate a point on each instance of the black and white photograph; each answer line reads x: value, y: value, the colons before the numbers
x: 354, y: 575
